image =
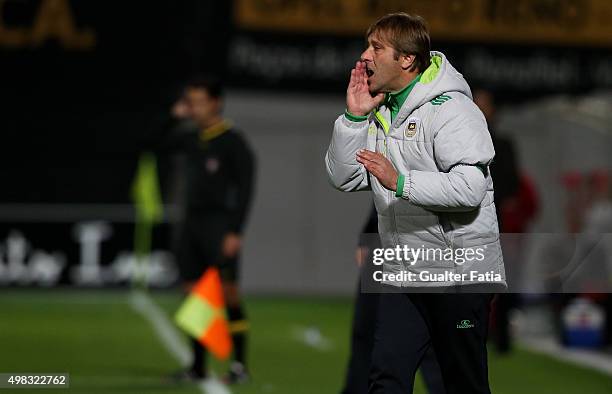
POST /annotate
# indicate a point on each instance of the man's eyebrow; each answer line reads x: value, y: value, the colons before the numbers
x: 374, y: 41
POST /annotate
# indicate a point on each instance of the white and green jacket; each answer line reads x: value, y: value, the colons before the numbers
x: 440, y: 144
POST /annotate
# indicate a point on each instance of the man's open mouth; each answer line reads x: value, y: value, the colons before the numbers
x: 369, y: 72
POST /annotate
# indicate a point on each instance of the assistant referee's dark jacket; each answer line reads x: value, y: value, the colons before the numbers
x: 219, y: 171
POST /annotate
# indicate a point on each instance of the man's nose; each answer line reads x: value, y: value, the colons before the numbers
x: 366, y: 56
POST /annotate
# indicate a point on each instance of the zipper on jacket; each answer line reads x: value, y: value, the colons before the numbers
x: 390, y: 195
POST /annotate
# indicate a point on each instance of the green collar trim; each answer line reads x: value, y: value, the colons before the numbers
x: 394, y: 101
x: 432, y: 71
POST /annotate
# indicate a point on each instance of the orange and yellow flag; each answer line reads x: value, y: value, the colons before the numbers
x: 202, y: 315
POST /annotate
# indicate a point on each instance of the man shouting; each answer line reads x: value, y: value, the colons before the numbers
x: 412, y: 134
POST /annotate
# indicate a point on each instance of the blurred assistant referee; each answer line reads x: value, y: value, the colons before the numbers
x: 412, y: 134
x: 219, y: 176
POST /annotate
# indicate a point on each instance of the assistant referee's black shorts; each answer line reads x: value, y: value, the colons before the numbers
x: 199, y: 247
x: 456, y: 325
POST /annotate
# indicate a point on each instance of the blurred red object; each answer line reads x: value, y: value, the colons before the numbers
x: 571, y: 180
x: 521, y: 209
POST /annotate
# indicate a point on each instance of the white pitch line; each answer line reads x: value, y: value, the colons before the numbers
x: 213, y: 385
x: 312, y: 337
x: 171, y: 338
x: 584, y: 358
x: 166, y: 332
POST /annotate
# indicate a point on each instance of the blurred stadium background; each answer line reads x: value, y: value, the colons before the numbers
x: 83, y: 86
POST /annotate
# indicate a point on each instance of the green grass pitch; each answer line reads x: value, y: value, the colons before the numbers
x: 298, y: 345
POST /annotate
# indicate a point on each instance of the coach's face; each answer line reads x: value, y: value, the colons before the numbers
x: 383, y: 66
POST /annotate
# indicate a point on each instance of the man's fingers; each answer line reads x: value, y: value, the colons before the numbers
x: 374, y: 162
x: 364, y: 153
x: 375, y: 170
x: 366, y: 163
x: 358, y: 69
x: 372, y: 167
x: 356, y: 80
x: 369, y: 155
x: 356, y: 72
x: 361, y: 71
x: 377, y: 165
x: 353, y: 79
x: 364, y: 158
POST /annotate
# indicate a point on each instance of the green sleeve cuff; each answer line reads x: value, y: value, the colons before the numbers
x: 399, y: 191
x: 354, y: 118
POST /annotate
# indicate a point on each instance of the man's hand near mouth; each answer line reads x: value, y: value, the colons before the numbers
x: 359, y: 101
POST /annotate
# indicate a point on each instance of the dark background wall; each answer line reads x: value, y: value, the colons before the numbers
x: 85, y: 81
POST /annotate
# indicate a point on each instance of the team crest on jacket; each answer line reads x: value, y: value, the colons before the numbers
x: 412, y: 126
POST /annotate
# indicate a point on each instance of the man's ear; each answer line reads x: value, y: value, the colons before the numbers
x: 407, y: 61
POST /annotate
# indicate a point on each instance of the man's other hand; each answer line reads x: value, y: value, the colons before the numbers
x: 379, y: 166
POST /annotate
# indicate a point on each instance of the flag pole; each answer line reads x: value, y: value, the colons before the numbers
x: 148, y: 212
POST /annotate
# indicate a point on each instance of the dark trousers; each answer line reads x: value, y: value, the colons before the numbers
x: 501, y: 329
x: 455, y: 325
x: 362, y: 344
